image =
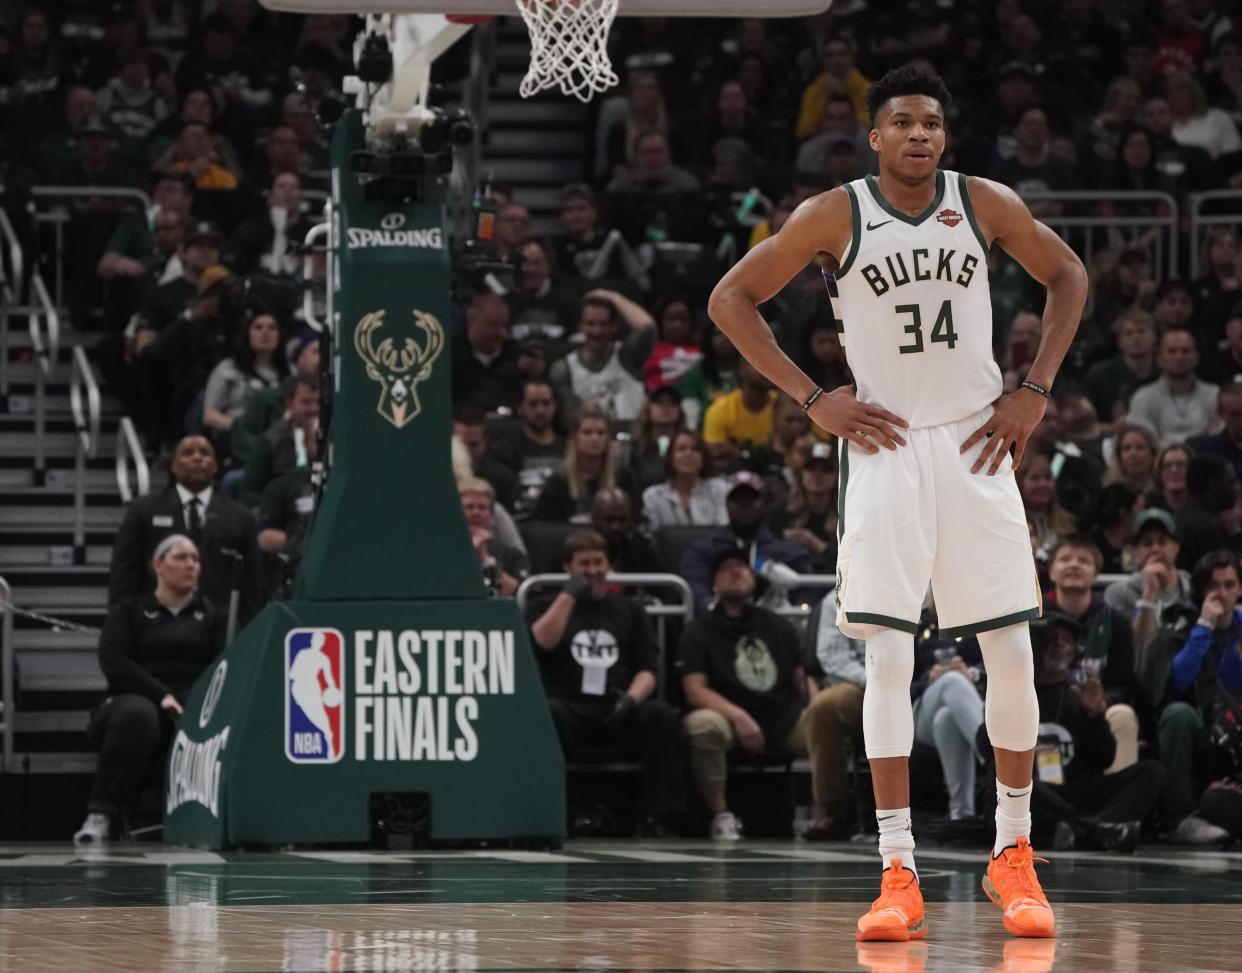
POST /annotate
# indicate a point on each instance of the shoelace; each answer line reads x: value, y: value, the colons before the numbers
x: 1023, y: 860
x: 896, y: 878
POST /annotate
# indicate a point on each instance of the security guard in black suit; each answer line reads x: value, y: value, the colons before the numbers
x: 225, y: 531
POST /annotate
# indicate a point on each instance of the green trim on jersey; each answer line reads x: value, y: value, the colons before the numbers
x: 874, y: 185
x: 843, y: 476
x: 855, y: 232
x: 970, y: 212
x: 888, y: 621
x: 991, y: 624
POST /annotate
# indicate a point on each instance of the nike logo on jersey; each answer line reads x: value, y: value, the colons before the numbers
x: 918, y: 265
x: 876, y: 226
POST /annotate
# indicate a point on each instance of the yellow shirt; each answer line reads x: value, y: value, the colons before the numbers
x: 815, y: 100
x: 728, y: 421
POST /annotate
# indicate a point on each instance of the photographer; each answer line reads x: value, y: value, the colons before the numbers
x: 598, y: 659
x: 152, y: 649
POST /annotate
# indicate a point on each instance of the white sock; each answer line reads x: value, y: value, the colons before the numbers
x: 896, y: 837
x: 1013, y: 816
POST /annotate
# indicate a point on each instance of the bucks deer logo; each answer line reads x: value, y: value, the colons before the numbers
x: 399, y: 370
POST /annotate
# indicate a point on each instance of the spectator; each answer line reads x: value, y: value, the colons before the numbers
x: 1133, y: 459
x: 485, y: 366
x: 95, y: 161
x: 138, y: 248
x: 689, y: 495
x: 658, y: 200
x: 539, y: 307
x: 504, y: 567
x: 653, y: 431
x: 1080, y: 427
x: 1112, y: 521
x: 1171, y: 468
x: 271, y: 241
x: 1106, y: 639
x: 152, y: 648
x: 713, y: 376
x: 1072, y: 794
x: 1127, y: 285
x: 839, y: 124
x: 1135, y: 170
x: 834, y: 719
x: 535, y: 450
x: 629, y: 550
x: 266, y: 405
x: 1211, y: 493
x: 742, y: 419
x: 1122, y: 101
x: 1189, y: 661
x: 590, y: 466
x: 744, y: 682
x: 470, y: 429
x: 809, y: 518
x: 194, y: 153
x: 678, y: 348
x: 222, y: 529
x: 1111, y: 381
x: 1195, y: 123
x: 576, y: 250
x: 283, y: 447
x: 512, y: 229
x: 823, y: 353
x: 32, y: 86
x: 948, y: 715
x: 129, y: 102
x: 599, y: 660
x: 1190, y: 165
x: 1039, y: 495
x: 776, y: 462
x: 838, y: 75
x: 258, y: 362
x: 162, y: 305
x: 1178, y: 404
x: 641, y: 110
x: 765, y: 552
x: 606, y: 371
x: 1157, y: 586
x: 1225, y: 369
x: 1032, y: 168
x: 1217, y: 290
x: 1227, y: 444
x: 197, y: 105
x: 1175, y: 306
x: 1021, y: 344
x: 286, y: 510
x: 735, y: 118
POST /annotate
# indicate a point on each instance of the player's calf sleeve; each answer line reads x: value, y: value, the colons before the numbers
x: 888, y: 717
x: 1011, y: 710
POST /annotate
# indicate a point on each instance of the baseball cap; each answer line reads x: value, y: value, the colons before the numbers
x: 204, y: 231
x: 1162, y: 518
x: 745, y: 479
x: 578, y: 190
x: 723, y: 555
x: 821, y: 453
x: 95, y: 124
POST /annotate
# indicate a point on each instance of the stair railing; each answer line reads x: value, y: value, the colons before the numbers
x: 129, y: 450
x: 44, y: 324
x: 7, y: 695
x: 84, y: 403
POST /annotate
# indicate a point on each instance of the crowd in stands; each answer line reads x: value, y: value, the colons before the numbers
x: 591, y: 392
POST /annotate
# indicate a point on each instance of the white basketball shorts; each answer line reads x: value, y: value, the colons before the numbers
x: 917, y: 514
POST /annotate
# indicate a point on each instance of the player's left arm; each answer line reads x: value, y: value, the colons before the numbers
x: 1004, y: 219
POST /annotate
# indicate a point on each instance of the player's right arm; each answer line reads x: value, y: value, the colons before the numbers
x: 821, y: 225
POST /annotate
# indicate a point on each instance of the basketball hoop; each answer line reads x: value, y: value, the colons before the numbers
x: 568, y: 46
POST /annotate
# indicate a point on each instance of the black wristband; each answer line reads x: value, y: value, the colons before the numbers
x: 1027, y: 384
x: 811, y: 401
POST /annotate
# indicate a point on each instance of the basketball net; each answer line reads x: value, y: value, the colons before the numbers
x: 568, y: 46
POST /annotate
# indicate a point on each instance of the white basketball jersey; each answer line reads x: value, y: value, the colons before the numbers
x: 913, y: 299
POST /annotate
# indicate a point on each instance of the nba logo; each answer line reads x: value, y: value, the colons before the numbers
x: 314, y: 696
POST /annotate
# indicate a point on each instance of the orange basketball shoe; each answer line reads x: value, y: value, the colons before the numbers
x: 897, y: 915
x: 1012, y: 884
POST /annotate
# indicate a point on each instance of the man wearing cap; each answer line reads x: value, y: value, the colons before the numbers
x: 745, y: 685
x: 763, y: 551
x: 200, y: 249
x: 598, y: 658
x: 1158, y: 584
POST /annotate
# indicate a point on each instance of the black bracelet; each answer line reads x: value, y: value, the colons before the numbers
x: 1046, y: 393
x: 811, y: 401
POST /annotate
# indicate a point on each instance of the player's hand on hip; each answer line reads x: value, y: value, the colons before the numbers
x: 1014, y: 419
x: 867, y: 426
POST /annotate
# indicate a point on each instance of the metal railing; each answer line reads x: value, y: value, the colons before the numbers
x: 7, y: 697
x: 657, y: 610
x: 60, y: 216
x: 1083, y: 227
x: 308, y: 272
x: 11, y: 281
x: 85, y: 404
x: 1201, y: 223
x: 46, y: 347
x: 129, y: 450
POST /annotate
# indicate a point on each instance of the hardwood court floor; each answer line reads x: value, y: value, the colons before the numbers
x: 593, y: 906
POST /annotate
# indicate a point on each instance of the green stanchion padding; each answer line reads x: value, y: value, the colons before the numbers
x: 391, y: 672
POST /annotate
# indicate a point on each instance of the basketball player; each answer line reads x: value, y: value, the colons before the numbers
x: 927, y: 487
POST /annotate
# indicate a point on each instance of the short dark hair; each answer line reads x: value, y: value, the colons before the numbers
x: 1079, y: 542
x: 582, y: 540
x: 598, y: 302
x: 303, y: 381
x: 1204, y: 470
x: 470, y: 416
x: 1211, y: 562
x: 906, y: 80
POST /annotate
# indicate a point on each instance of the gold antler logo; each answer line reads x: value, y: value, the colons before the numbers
x: 398, y: 371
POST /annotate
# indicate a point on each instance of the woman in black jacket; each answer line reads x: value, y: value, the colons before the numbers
x: 151, y: 650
